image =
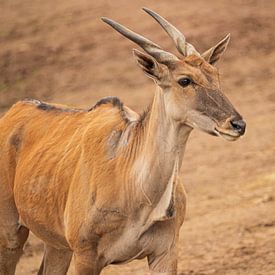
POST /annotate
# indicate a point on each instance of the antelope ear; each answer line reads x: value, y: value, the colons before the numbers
x: 213, y: 54
x: 148, y: 64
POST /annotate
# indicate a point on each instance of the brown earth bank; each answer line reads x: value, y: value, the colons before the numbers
x: 60, y: 51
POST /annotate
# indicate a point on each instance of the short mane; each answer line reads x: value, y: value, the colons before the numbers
x: 51, y: 107
x: 114, y: 101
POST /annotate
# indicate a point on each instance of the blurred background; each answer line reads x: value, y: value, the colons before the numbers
x: 60, y: 51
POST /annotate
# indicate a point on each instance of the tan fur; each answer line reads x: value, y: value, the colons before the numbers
x: 66, y: 189
x: 102, y: 185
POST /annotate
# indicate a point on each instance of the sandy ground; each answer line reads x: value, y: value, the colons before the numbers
x: 60, y: 51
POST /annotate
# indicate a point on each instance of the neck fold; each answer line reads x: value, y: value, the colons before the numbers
x: 163, y: 144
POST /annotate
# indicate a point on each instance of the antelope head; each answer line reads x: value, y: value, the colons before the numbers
x: 190, y: 84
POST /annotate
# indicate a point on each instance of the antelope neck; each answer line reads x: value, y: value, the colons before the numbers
x: 162, y: 146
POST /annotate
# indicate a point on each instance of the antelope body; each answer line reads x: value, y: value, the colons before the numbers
x: 102, y: 185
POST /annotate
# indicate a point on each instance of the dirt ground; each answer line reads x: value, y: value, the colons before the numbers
x: 60, y: 51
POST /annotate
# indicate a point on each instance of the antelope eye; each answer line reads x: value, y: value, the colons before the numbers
x: 185, y: 81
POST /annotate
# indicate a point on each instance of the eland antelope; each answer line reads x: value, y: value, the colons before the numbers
x: 101, y: 185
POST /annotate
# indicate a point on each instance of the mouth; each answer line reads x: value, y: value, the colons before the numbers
x: 230, y: 136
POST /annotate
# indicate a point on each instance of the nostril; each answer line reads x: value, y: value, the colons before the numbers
x: 238, y: 125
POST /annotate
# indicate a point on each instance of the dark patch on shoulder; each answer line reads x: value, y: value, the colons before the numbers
x: 171, y: 209
x: 50, y: 107
x: 113, y: 143
x: 15, y: 139
x: 115, y: 101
